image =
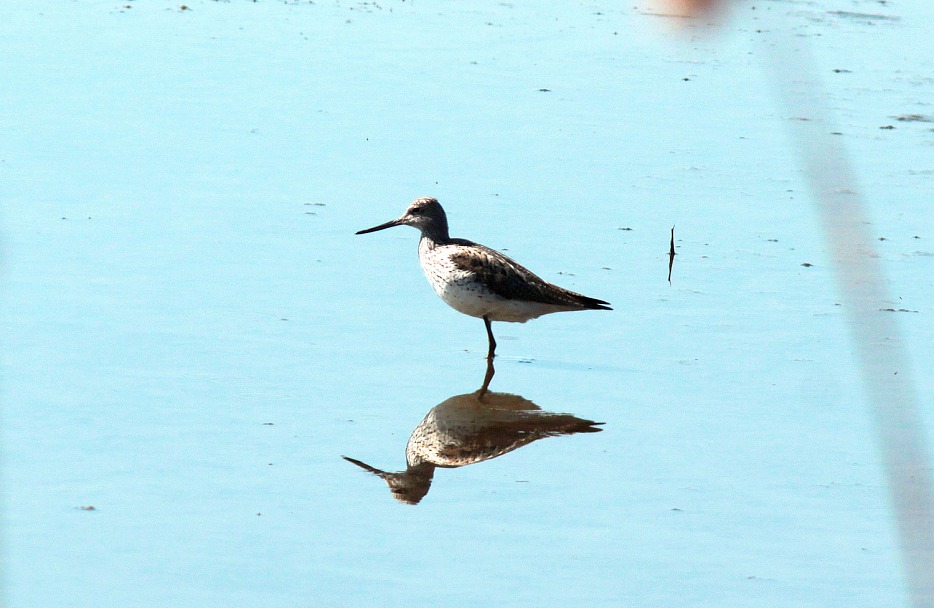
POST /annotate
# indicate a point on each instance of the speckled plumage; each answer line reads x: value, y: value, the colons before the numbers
x: 479, y: 281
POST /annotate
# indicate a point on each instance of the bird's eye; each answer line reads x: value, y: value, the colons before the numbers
x: 415, y: 211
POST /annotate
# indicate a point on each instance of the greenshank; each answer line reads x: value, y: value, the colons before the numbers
x: 479, y: 281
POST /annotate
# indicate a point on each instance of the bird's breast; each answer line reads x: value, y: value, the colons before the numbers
x: 459, y: 288
x: 465, y: 290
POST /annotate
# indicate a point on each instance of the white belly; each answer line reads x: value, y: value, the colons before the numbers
x: 462, y: 292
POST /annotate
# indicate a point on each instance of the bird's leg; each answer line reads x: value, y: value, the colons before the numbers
x: 490, y: 370
x: 489, y: 333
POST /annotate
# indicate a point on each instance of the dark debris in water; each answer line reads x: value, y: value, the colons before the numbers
x: 671, y: 254
x: 864, y: 16
x: 896, y: 310
x: 914, y: 118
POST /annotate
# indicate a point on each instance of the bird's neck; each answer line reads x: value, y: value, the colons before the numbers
x: 436, y: 234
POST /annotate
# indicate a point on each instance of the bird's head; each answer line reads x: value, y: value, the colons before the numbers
x: 424, y: 213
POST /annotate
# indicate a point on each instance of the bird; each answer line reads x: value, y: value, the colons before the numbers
x: 478, y: 281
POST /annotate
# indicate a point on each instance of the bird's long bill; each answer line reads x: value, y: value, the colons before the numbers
x: 388, y: 224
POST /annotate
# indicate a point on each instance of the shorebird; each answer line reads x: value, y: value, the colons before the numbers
x: 479, y: 281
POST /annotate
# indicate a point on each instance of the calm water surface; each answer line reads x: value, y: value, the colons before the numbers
x: 194, y: 336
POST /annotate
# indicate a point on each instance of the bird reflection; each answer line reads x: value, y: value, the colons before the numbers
x: 471, y: 428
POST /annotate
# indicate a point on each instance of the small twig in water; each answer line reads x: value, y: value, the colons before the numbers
x: 671, y: 254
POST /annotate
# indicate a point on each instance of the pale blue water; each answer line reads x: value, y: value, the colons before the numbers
x: 179, y: 195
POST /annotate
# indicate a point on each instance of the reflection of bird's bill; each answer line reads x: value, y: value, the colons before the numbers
x: 365, y: 466
x: 388, y: 224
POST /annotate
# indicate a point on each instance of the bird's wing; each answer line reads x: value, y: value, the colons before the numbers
x: 509, y: 279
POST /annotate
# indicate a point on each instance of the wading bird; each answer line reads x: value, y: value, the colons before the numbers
x: 479, y: 281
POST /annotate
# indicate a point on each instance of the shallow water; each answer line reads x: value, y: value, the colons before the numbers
x: 194, y: 336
